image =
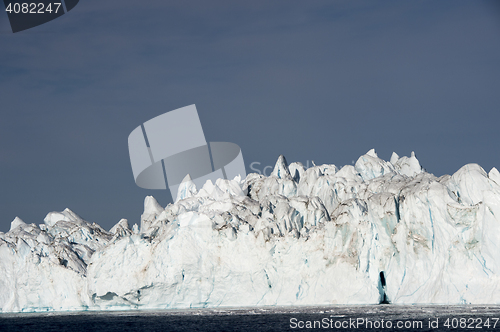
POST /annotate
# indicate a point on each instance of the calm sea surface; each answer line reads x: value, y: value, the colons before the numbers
x: 334, y: 318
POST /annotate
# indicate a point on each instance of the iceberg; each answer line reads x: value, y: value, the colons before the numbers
x: 373, y: 232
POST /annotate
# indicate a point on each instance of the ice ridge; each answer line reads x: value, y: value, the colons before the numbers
x: 367, y: 233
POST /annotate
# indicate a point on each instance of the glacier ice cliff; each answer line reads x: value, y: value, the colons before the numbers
x: 366, y: 233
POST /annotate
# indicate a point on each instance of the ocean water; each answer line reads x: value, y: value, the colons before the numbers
x: 332, y: 318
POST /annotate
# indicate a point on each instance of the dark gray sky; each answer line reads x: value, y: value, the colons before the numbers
x: 313, y: 80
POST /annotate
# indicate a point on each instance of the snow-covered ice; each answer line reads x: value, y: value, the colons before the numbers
x: 315, y: 236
